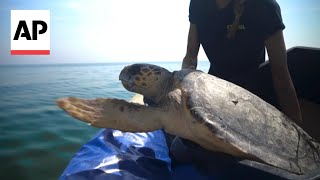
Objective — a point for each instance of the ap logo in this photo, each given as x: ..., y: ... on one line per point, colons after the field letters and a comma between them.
x: 30, y: 32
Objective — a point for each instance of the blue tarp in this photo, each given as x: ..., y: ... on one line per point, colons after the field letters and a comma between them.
x: 113, y: 154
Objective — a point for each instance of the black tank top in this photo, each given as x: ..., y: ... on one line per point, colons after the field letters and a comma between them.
x: 235, y: 59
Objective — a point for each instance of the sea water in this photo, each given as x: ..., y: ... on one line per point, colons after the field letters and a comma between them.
x: 37, y: 139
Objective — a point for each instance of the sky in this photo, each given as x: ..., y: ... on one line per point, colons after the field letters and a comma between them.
x: 102, y: 31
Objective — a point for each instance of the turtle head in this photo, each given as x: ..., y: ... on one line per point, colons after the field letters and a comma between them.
x: 149, y: 80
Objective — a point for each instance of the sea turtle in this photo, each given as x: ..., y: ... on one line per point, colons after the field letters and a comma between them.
x: 216, y: 114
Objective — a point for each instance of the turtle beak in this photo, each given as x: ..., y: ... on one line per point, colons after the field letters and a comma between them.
x: 127, y: 85
x: 123, y: 73
x: 126, y: 78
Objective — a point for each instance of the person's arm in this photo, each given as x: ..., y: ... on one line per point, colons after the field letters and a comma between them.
x: 281, y: 77
x: 190, y: 61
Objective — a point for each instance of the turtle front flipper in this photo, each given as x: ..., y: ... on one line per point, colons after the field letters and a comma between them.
x: 114, y: 113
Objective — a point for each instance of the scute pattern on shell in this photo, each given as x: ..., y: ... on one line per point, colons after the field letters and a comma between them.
x: 251, y: 125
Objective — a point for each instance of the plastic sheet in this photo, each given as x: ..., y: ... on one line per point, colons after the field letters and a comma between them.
x: 113, y: 154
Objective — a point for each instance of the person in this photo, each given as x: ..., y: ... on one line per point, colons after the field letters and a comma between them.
x: 234, y: 35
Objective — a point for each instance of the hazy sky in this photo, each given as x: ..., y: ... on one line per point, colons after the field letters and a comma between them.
x: 85, y: 31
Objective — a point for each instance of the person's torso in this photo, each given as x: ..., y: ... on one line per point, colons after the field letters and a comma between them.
x: 229, y: 57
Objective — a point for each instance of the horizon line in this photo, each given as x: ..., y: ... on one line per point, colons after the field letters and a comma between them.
x: 91, y: 63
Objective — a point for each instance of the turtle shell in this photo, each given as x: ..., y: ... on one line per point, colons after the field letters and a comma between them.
x: 248, y: 123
